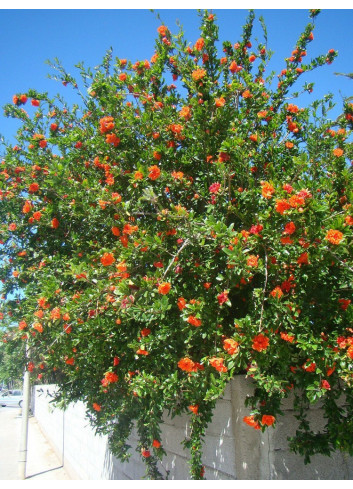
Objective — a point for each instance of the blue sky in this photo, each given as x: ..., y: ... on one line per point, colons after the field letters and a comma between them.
x: 30, y: 36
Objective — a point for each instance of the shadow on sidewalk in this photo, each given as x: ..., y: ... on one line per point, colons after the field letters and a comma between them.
x: 44, y: 472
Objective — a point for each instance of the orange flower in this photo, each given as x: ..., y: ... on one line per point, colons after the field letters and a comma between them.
x: 198, y: 74
x: 185, y: 112
x: 268, y: 420
x: 128, y: 229
x: 27, y: 207
x: 260, y: 342
x: 164, y: 288
x: 156, y: 443
x: 334, y: 236
x: 162, y: 30
x: 286, y: 240
x: 70, y: 361
x: 338, y: 152
x: 303, y: 259
x: 42, y: 302
x: 296, y: 201
x: 154, y: 172
x: 234, y: 68
x: 55, y: 223
x: 289, y: 144
x: 106, y: 124
x: 252, y: 261
x: 282, y: 205
x: 96, y: 406
x: 115, y: 231
x: 186, y: 364
x: 37, y: 215
x: 199, y: 44
x: 177, y: 175
x: 253, y: 137
x: 220, y: 102
x: 250, y: 421
x: 55, y: 313
x: 276, y: 293
x: 38, y: 327
x: 138, y: 175
x: 231, y: 346
x: 145, y: 332
x: 194, y: 408
x: 107, y: 259
x: 292, y: 108
x: 267, y: 190
x: 141, y: 351
x: 110, y: 378
x: 246, y: 94
x: 287, y: 337
x: 34, y: 187
x: 22, y: 325
x: 217, y: 363
x: 289, y: 228
x: 112, y: 139
x: 194, y: 321
x: 181, y: 303
x: 349, y: 220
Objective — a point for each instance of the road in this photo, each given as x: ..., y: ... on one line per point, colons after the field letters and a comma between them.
x: 42, y: 462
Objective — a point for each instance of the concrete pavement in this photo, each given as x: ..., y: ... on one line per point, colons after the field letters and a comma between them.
x: 42, y: 462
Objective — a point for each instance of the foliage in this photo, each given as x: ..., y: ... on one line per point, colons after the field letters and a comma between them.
x: 187, y: 224
x: 12, y: 363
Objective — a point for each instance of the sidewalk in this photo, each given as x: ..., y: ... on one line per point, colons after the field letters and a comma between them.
x: 42, y: 462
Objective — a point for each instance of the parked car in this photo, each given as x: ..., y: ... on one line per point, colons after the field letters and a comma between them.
x: 11, y: 398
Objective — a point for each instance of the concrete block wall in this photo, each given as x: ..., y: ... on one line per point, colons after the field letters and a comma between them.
x: 232, y: 450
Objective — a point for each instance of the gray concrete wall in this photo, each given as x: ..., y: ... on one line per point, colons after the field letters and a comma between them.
x: 232, y: 450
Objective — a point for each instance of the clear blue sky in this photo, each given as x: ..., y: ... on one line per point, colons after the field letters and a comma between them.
x: 29, y: 37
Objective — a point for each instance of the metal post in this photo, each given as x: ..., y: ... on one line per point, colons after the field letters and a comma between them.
x: 24, y: 428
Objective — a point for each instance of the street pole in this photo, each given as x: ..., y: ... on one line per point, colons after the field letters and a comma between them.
x: 25, y: 416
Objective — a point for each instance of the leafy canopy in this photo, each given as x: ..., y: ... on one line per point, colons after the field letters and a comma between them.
x: 187, y: 223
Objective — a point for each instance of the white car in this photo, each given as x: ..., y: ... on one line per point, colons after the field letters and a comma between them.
x: 11, y: 398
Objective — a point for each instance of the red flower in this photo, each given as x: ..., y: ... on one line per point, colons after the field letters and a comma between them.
x: 250, y: 421
x: 106, y: 124
x: 260, y: 342
x: 194, y: 408
x: 223, y: 297
x: 181, y: 303
x: 276, y: 293
x: 156, y: 443
x: 289, y: 228
x: 303, y: 259
x: 107, y: 259
x: 231, y: 346
x: 334, y: 236
x: 268, y: 420
x: 34, y: 187
x: 154, y: 172
x: 194, y: 321
x: 55, y: 223
x: 214, y: 188
x: 164, y: 288
x: 217, y: 363
x: 186, y: 364
x: 234, y: 68
x: 325, y: 385
x: 145, y: 331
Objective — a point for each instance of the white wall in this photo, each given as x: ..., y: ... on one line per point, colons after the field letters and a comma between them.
x: 232, y: 450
